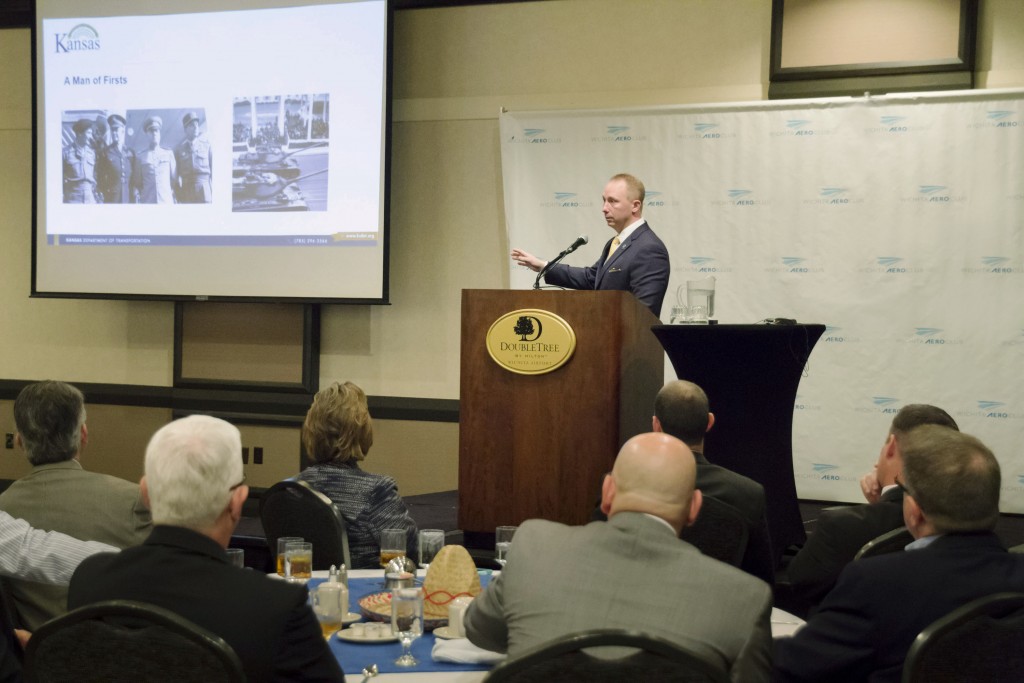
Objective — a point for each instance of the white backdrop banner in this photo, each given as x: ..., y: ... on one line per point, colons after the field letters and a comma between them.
x: 896, y: 221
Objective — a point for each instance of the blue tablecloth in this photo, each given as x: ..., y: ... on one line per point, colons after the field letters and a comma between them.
x: 354, y: 656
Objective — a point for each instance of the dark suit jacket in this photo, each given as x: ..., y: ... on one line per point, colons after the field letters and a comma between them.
x: 747, y: 497
x: 267, y: 622
x: 867, y: 623
x: 837, y: 536
x: 640, y: 265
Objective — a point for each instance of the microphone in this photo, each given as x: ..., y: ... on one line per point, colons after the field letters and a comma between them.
x: 579, y: 242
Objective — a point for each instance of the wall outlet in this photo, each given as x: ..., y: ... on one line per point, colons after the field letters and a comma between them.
x: 8, y: 440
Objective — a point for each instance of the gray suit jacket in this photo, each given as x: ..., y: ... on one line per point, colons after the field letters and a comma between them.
x: 630, y: 572
x: 85, y: 505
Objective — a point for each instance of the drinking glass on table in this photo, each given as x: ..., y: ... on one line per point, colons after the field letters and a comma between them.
x: 407, y: 621
x: 330, y: 604
x: 392, y: 545
x: 430, y: 543
x: 502, y: 542
x: 236, y: 556
x: 298, y: 560
x: 282, y: 544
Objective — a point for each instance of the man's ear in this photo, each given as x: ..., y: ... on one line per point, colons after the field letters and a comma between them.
x: 18, y: 442
x: 913, y: 515
x: 695, y: 502
x: 607, y: 493
x: 144, y: 492
x: 711, y: 422
x: 238, y: 497
x: 656, y: 424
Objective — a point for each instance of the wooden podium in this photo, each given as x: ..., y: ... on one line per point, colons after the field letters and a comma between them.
x: 538, y: 446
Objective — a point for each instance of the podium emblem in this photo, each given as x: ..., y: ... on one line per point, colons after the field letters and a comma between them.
x: 531, y: 341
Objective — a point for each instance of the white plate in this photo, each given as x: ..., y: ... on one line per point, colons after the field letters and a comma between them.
x: 351, y: 618
x: 445, y: 633
x: 381, y: 637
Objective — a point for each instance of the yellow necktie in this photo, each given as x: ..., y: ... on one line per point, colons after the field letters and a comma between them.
x: 615, y: 245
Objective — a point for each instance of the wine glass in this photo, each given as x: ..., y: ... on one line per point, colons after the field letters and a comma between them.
x: 502, y: 542
x: 407, y: 621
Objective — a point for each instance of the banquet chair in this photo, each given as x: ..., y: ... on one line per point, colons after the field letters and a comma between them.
x: 981, y: 641
x: 890, y: 542
x: 620, y: 654
x: 294, y: 508
x: 719, y: 532
x: 122, y: 640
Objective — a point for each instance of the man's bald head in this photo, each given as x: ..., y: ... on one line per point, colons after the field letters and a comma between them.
x: 653, y: 473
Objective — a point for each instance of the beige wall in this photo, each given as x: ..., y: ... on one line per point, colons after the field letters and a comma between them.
x: 454, y: 69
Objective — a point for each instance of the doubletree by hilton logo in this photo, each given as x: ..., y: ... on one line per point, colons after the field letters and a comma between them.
x: 79, y: 39
x: 530, y: 341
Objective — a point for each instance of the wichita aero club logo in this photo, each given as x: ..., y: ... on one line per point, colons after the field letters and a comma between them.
x: 533, y: 136
x: 706, y: 131
x: 995, y: 265
x: 892, y: 124
x: 705, y: 264
x: 935, y: 194
x: 81, y: 38
x: 794, y: 264
x: 823, y: 471
x: 998, y: 118
x: 801, y: 404
x: 834, y: 196
x: 886, y: 405
x: 801, y: 128
x: 932, y: 336
x: 740, y: 197
x: 993, y: 410
x: 891, y: 265
x: 567, y: 200
x: 618, y: 134
x: 835, y: 335
x: 656, y: 199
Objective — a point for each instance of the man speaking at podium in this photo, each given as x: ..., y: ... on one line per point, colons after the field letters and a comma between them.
x: 635, y: 260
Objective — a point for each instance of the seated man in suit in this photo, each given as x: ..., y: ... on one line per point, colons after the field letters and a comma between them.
x: 840, y: 532
x: 681, y: 410
x: 635, y: 260
x: 195, y: 488
x: 59, y: 495
x: 866, y: 624
x: 630, y: 572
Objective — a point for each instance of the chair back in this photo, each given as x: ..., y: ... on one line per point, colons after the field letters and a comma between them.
x: 719, y: 532
x: 608, y: 656
x: 122, y: 640
x: 981, y: 641
x: 293, y: 508
x: 890, y: 542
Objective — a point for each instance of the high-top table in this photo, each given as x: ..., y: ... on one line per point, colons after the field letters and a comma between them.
x: 751, y: 374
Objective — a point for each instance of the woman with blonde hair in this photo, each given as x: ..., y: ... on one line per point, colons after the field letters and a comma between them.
x: 336, y: 435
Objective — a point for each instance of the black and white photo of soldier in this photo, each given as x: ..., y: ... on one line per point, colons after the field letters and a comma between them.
x: 78, y: 161
x: 194, y: 158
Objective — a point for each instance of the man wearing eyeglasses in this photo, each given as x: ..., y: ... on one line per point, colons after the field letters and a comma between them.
x: 866, y: 624
x: 195, y: 488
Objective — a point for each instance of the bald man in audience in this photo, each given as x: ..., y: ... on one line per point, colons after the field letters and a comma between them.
x: 630, y: 572
x: 681, y: 410
x: 195, y: 488
x: 866, y: 624
x: 840, y: 532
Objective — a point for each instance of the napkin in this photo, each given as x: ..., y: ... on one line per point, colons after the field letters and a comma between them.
x: 461, y: 651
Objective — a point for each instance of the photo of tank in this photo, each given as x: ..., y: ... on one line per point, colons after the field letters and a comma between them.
x: 280, y: 149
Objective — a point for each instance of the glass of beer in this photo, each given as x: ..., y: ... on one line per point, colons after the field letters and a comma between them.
x: 298, y: 560
x: 330, y: 604
x: 282, y: 543
x: 392, y: 545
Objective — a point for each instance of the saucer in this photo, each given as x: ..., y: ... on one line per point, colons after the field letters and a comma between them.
x: 446, y: 633
x: 379, y: 637
x: 351, y: 618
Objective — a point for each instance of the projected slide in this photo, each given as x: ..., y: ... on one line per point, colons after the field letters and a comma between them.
x: 234, y: 128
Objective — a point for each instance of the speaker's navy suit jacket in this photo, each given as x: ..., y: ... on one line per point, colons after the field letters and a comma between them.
x: 867, y: 623
x: 640, y: 265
